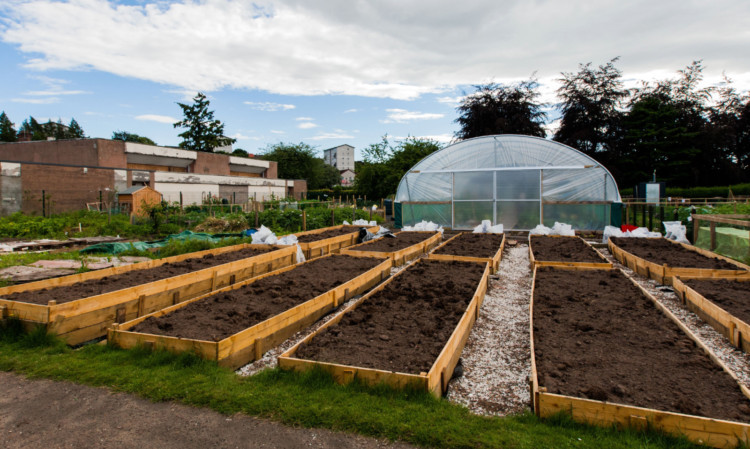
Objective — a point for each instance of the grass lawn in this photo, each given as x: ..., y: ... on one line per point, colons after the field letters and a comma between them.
x: 305, y: 400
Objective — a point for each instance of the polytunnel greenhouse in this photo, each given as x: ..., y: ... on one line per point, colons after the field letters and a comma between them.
x: 517, y: 181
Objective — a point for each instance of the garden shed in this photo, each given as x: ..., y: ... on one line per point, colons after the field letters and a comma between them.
x: 133, y: 199
x: 518, y: 181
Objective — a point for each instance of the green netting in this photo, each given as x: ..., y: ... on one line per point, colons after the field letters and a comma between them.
x: 730, y: 242
x: 119, y: 247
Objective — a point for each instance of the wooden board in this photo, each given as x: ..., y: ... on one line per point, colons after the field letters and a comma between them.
x: 733, y: 328
x: 84, y: 319
x: 708, y: 431
x: 664, y: 273
x: 603, y: 265
x: 435, y: 381
x: 494, y: 261
x: 401, y: 256
x: 250, y: 344
x: 330, y: 245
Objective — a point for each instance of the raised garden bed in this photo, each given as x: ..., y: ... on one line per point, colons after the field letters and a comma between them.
x: 408, y: 331
x: 80, y: 307
x: 662, y: 259
x: 606, y: 352
x: 239, y: 323
x: 722, y: 303
x: 406, y: 246
x: 562, y: 251
x: 329, y: 240
x: 470, y: 247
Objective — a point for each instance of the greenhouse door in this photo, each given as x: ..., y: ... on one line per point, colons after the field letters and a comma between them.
x: 511, y: 197
x: 518, y: 198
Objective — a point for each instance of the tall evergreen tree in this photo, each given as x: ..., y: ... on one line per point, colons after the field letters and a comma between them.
x: 591, y: 109
x: 7, y: 132
x: 500, y: 109
x: 203, y: 133
x: 75, y: 131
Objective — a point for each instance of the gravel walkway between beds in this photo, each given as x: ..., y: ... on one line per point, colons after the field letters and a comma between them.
x: 270, y: 358
x: 496, y: 360
x: 733, y: 358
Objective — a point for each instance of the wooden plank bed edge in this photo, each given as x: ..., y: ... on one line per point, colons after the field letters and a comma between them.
x: 240, y: 348
x: 371, y: 376
x: 709, y: 431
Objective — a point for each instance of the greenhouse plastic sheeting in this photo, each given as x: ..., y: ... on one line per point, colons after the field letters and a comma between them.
x: 517, y: 181
x: 730, y: 242
x: 119, y: 247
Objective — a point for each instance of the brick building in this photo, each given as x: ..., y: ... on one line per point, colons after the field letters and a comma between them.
x: 67, y: 174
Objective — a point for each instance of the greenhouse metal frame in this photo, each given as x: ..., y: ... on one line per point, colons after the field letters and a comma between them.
x: 519, y: 181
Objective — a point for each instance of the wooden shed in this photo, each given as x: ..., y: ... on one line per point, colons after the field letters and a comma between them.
x: 134, y: 198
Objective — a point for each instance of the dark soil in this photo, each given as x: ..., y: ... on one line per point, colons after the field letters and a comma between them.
x: 403, y: 240
x: 732, y: 296
x: 403, y: 327
x: 219, y: 316
x: 307, y: 238
x: 662, y: 251
x: 597, y: 336
x: 563, y: 249
x: 108, y: 284
x: 473, y: 245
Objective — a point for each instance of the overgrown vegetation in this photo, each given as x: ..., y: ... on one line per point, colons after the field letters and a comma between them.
x: 165, y: 219
x: 306, y: 400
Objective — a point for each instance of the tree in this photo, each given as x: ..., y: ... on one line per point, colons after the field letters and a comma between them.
x: 384, y: 166
x: 591, y: 109
x: 7, y: 132
x: 240, y: 153
x: 298, y: 161
x: 131, y: 137
x: 75, y: 131
x: 500, y: 109
x: 203, y: 133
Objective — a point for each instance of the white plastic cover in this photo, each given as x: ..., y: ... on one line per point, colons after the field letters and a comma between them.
x: 424, y: 226
x: 267, y: 237
x: 487, y: 228
x: 510, y: 179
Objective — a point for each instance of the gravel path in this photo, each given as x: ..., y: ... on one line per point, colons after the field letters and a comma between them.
x: 496, y: 360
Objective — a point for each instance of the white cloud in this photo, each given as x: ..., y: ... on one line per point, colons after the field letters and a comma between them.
x: 48, y: 100
x: 276, y: 131
x: 331, y: 136
x: 349, y: 111
x: 442, y: 138
x: 295, y: 47
x: 304, y: 119
x: 307, y: 125
x: 157, y: 118
x: 270, y: 107
x: 453, y: 101
x: 404, y: 116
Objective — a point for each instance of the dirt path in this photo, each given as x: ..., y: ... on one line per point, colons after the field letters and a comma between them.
x: 49, y: 414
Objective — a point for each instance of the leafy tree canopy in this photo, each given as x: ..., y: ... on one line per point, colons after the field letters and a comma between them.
x: 591, y: 104
x: 501, y: 109
x: 7, y: 132
x: 131, y: 137
x: 385, y: 164
x: 299, y: 161
x: 203, y: 133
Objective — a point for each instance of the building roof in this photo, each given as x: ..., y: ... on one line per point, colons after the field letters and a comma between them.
x: 130, y: 190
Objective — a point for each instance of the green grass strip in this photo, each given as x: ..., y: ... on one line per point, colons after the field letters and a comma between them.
x: 305, y: 400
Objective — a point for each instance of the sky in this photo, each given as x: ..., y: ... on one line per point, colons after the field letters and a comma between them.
x: 331, y: 72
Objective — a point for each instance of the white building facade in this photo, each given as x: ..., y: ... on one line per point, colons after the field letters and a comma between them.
x: 341, y: 157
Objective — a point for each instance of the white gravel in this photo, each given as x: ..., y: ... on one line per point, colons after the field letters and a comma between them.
x: 497, y: 360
